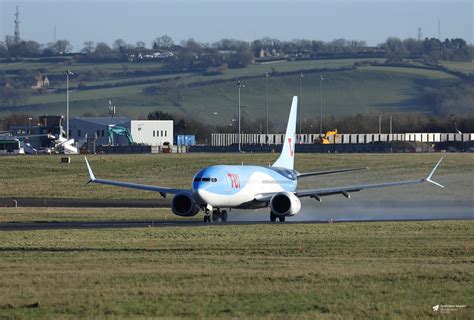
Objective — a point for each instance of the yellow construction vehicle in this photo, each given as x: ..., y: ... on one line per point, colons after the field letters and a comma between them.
x: 326, y: 138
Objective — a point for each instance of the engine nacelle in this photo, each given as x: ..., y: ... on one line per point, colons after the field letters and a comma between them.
x: 285, y: 204
x: 183, y: 205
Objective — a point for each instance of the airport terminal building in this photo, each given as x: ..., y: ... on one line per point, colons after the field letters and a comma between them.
x: 147, y: 132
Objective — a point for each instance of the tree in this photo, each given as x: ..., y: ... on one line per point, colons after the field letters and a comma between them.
x: 30, y: 48
x: 61, y: 47
x: 242, y: 58
x: 413, y: 47
x: 394, y: 49
x: 3, y: 50
x: 102, y: 48
x: 140, y: 45
x: 163, y: 42
x: 119, y: 45
x: 89, y: 47
x: 159, y: 115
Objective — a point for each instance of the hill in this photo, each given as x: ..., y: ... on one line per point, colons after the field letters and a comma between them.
x: 137, y: 89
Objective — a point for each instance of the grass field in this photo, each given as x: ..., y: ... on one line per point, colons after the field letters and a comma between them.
x: 46, y: 177
x: 22, y: 215
x: 293, y: 271
x: 466, y: 67
x: 365, y: 90
x: 326, y: 271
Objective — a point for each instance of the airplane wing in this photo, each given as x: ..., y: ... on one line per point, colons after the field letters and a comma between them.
x: 318, y: 193
x: 319, y: 173
x: 162, y: 190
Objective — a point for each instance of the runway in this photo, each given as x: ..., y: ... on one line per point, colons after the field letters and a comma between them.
x: 163, y: 223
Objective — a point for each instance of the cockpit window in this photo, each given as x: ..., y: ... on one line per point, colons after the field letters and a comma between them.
x: 206, y: 179
x: 197, y: 179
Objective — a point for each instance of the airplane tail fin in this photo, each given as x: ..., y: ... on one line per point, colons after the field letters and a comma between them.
x: 287, y: 156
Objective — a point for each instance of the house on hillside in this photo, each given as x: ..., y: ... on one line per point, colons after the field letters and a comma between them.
x: 41, y: 81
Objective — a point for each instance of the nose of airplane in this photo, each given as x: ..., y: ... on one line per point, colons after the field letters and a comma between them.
x: 201, y: 194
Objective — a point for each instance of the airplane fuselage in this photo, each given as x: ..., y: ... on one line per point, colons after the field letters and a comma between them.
x: 230, y: 186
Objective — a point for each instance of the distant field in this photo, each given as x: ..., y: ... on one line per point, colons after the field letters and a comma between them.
x: 326, y: 271
x: 45, y: 176
x: 366, y: 90
x: 466, y: 67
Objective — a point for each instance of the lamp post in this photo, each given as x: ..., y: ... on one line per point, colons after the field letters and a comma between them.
x: 391, y: 132
x: 299, y: 101
x: 266, y: 101
x: 68, y: 73
x: 239, y: 86
x: 321, y: 107
x: 380, y: 124
x: 29, y: 124
x: 215, y: 115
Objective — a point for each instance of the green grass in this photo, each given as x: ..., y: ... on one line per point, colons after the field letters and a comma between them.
x: 326, y: 271
x: 465, y: 67
x: 45, y: 176
x: 366, y: 90
x: 22, y: 215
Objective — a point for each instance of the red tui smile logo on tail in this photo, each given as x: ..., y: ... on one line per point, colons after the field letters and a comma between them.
x: 291, y: 147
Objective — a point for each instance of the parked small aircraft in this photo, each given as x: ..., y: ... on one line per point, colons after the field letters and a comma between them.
x: 217, y: 188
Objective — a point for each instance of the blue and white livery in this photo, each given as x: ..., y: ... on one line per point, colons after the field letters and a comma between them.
x: 217, y: 188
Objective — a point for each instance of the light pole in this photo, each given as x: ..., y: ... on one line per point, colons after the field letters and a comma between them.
x: 29, y: 124
x: 266, y: 101
x: 299, y: 101
x: 215, y: 115
x: 321, y: 107
x: 380, y: 124
x: 68, y: 73
x: 239, y: 86
x: 391, y: 132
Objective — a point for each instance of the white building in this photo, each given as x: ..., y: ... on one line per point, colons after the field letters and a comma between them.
x: 152, y: 132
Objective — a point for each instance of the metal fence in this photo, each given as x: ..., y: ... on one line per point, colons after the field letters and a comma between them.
x: 227, y: 139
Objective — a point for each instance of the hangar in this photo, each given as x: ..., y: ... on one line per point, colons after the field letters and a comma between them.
x: 147, y: 132
x: 82, y: 128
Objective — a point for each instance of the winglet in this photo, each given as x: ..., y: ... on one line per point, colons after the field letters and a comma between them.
x: 428, y: 179
x: 91, y: 174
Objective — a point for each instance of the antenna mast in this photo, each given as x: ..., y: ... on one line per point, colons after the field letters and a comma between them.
x: 16, y: 38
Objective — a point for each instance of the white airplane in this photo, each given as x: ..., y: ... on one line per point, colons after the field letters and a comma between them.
x: 221, y: 187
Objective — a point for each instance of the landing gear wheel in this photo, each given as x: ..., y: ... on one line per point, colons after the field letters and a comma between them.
x: 281, y: 218
x: 207, y: 218
x: 273, y: 217
x: 216, y: 215
x: 224, y: 216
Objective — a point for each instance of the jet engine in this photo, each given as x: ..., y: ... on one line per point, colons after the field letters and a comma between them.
x: 285, y: 204
x: 183, y: 205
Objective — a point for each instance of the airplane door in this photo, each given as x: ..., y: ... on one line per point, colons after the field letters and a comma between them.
x: 226, y: 182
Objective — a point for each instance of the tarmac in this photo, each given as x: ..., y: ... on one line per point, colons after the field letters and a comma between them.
x: 163, y: 223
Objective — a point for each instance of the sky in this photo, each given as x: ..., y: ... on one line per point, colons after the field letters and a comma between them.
x: 210, y: 20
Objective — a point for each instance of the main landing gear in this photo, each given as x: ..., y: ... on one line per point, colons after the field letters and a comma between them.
x: 273, y: 217
x: 216, y: 216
